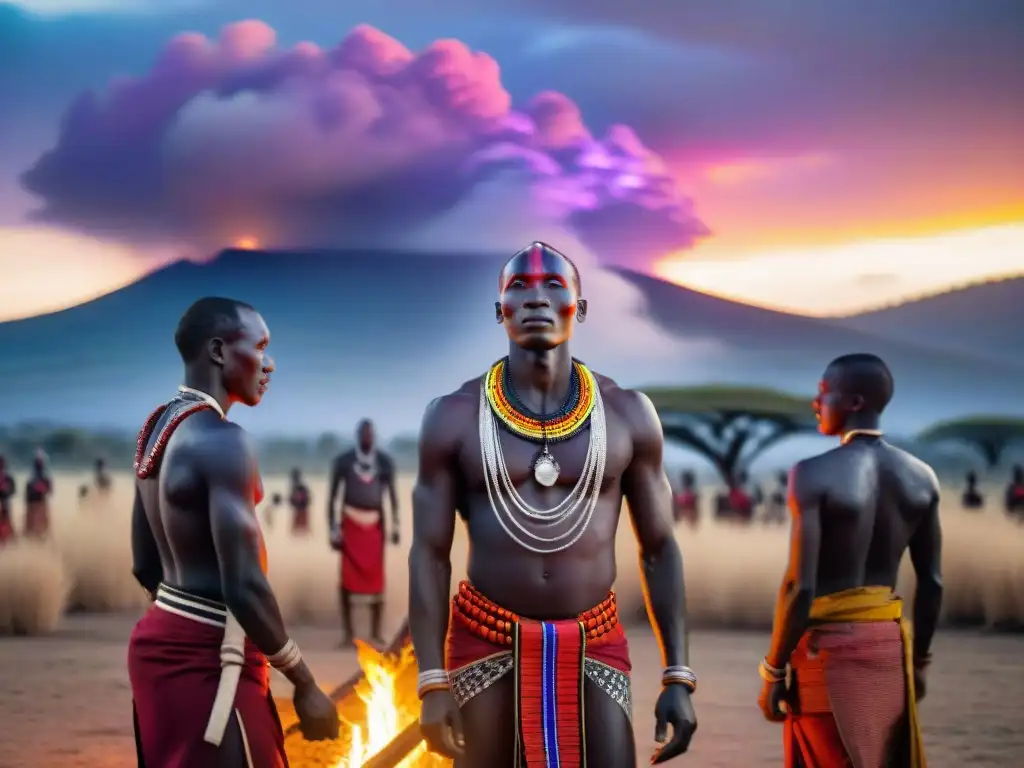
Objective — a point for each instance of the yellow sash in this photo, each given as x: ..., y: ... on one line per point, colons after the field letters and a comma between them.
x: 877, y: 604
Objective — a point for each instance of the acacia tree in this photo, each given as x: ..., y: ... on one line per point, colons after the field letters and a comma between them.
x: 730, y: 426
x: 988, y: 435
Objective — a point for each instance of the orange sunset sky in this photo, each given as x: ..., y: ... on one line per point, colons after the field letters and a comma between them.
x: 896, y: 197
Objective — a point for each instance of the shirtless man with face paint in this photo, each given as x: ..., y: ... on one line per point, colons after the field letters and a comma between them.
x: 198, y: 659
x: 536, y: 457
x: 855, y: 672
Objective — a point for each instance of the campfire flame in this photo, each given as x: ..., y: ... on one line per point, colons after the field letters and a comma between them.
x: 388, y: 680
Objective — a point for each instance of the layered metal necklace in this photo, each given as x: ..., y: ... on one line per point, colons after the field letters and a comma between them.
x: 583, y: 405
x: 365, y: 466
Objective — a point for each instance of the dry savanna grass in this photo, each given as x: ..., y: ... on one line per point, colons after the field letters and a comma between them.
x: 732, y: 574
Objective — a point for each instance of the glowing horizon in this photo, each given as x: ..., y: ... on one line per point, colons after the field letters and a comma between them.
x: 827, y: 280
x: 854, y: 277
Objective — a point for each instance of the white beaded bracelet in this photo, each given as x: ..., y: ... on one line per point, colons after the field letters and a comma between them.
x: 286, y: 658
x: 679, y: 675
x: 431, y: 680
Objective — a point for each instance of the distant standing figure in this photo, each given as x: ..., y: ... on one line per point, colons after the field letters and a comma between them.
x: 101, y: 478
x: 270, y: 509
x: 741, y: 506
x: 298, y: 500
x: 37, y: 499
x: 753, y: 491
x: 775, y: 513
x: 687, y: 501
x: 1015, y: 493
x: 972, y: 498
x: 83, y: 496
x: 362, y: 476
x: 7, y: 491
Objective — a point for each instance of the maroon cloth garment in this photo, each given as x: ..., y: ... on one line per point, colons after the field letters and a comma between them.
x: 174, y: 666
x: 848, y: 697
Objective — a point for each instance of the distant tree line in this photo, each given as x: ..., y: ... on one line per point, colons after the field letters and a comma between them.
x: 78, y: 448
x: 728, y: 426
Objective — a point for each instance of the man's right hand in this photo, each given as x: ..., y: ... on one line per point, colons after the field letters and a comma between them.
x: 318, y: 717
x: 920, y: 683
x: 335, y: 538
x: 441, y: 724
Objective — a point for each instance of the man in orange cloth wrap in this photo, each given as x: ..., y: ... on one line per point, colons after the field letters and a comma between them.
x: 198, y: 660
x: 536, y: 457
x: 855, y: 674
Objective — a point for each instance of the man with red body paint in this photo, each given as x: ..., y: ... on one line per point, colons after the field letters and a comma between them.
x: 536, y: 617
x: 198, y: 659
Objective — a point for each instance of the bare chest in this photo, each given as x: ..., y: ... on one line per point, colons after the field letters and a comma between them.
x: 517, y: 458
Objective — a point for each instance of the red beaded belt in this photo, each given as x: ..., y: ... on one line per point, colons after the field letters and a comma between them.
x: 493, y: 623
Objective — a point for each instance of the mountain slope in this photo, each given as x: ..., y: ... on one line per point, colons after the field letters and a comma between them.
x: 380, y: 334
x: 789, y: 352
x: 983, y: 320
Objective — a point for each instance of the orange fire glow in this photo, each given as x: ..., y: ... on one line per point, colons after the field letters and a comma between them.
x: 247, y: 243
x: 389, y: 708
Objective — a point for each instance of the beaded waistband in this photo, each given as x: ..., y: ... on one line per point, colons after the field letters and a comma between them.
x: 488, y: 620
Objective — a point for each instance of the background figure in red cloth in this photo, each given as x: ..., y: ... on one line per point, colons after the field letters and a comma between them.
x: 7, y: 491
x: 298, y: 500
x: 1015, y: 494
x: 741, y: 506
x: 362, y: 476
x: 687, y: 501
x: 37, y: 499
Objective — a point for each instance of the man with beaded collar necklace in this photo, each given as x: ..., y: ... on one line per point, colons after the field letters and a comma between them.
x: 198, y: 658
x: 528, y: 665
x: 854, y: 672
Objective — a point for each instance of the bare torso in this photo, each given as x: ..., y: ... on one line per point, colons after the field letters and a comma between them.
x: 539, y: 586
x: 359, y: 491
x: 7, y: 488
x: 176, y: 501
x: 872, y: 498
x: 38, y: 489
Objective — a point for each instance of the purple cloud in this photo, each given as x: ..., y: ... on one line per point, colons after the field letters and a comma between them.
x: 235, y: 137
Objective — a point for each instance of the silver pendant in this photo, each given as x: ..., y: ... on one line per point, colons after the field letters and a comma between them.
x: 546, y: 469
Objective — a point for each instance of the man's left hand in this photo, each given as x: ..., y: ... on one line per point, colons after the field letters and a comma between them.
x: 771, y: 701
x: 395, y: 538
x: 673, y: 708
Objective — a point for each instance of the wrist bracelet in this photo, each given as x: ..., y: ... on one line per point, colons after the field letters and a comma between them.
x: 430, y: 680
x: 679, y: 675
x: 769, y: 673
x: 287, y: 658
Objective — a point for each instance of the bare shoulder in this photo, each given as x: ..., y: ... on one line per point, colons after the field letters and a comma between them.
x: 631, y: 404
x: 447, y: 417
x: 808, y: 477
x: 633, y: 407
x: 913, y: 468
x: 226, y: 454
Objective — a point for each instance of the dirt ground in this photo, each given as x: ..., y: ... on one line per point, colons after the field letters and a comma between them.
x: 74, y: 683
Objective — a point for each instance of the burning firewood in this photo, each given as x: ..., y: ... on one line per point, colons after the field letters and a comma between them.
x: 380, y: 716
x: 398, y: 749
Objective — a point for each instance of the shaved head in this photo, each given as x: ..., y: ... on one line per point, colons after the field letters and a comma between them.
x: 865, y: 375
